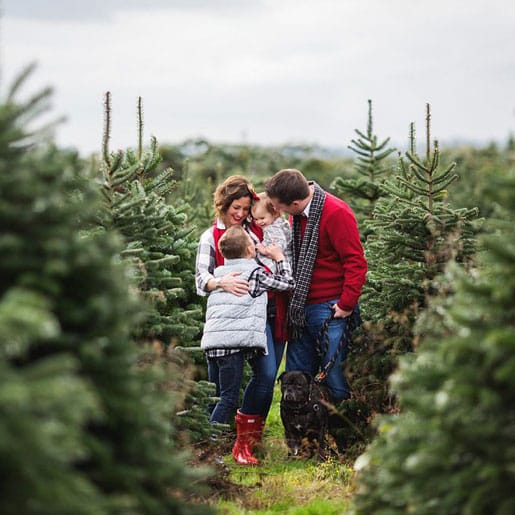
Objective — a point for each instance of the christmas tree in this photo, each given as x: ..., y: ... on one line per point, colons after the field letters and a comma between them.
x: 371, y: 169
x: 415, y: 233
x: 82, y: 429
x: 161, y: 247
x: 412, y: 233
x: 452, y: 449
x: 159, y: 243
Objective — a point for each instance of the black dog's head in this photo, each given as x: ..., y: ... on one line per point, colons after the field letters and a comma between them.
x: 295, y: 386
x: 303, y: 413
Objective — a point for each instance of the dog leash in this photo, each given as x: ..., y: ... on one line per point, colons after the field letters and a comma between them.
x: 322, y: 343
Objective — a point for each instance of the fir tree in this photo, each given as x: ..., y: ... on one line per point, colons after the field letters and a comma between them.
x: 161, y: 247
x: 452, y: 449
x: 413, y: 233
x: 196, y: 198
x: 371, y: 169
x: 82, y: 429
x: 159, y: 243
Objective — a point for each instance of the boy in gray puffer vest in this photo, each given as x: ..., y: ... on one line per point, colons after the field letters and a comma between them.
x: 235, y: 326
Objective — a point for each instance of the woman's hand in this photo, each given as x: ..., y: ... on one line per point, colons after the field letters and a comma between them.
x: 232, y: 284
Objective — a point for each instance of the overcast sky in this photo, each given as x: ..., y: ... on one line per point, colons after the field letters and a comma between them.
x: 268, y: 71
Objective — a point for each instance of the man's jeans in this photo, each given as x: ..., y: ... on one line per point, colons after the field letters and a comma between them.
x: 226, y: 373
x: 301, y: 354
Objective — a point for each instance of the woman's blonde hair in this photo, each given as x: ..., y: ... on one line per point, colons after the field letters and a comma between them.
x: 233, y: 188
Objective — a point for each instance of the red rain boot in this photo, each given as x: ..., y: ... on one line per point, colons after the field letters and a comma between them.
x: 247, y: 429
x: 258, y: 434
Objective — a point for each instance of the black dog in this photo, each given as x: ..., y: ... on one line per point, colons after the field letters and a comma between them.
x: 304, y: 414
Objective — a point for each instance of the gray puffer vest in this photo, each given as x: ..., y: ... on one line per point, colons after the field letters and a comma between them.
x: 235, y: 322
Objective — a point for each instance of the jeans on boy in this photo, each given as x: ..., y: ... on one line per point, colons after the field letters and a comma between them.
x: 226, y: 373
x: 302, y: 355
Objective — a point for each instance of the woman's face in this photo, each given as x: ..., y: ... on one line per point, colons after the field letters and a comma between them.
x: 237, y: 212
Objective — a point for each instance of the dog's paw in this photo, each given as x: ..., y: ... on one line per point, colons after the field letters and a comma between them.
x: 294, y: 452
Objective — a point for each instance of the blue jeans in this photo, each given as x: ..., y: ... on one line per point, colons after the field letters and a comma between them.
x: 301, y: 354
x: 259, y: 392
x: 226, y: 373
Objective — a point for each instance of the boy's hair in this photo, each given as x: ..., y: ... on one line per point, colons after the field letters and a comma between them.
x: 267, y: 203
x: 287, y: 185
x: 233, y: 188
x: 234, y: 242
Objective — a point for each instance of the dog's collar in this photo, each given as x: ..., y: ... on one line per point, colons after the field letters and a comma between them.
x: 301, y: 407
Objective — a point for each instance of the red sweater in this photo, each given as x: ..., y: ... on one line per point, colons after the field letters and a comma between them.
x: 340, y: 266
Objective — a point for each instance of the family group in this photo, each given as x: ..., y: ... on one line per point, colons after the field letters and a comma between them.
x: 272, y: 283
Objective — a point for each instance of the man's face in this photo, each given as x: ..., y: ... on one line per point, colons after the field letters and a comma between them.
x: 295, y: 208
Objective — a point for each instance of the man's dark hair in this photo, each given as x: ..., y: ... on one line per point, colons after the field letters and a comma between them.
x: 287, y: 186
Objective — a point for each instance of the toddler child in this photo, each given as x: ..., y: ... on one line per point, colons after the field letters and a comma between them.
x: 276, y: 229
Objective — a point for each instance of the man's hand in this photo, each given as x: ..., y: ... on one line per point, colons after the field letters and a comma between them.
x: 232, y: 284
x: 340, y: 313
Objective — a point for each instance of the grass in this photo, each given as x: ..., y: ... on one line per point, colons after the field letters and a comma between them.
x: 287, y: 486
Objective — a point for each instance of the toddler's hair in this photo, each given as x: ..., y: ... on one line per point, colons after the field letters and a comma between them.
x: 234, y: 242
x: 265, y: 199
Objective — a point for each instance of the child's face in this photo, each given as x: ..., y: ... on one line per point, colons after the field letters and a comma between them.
x: 261, y: 215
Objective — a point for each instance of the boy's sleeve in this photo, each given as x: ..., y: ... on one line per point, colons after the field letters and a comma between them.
x: 263, y: 280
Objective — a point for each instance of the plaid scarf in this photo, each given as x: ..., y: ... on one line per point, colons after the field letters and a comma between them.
x: 304, y: 255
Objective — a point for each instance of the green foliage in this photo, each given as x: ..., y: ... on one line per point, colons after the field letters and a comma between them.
x: 159, y: 244
x: 209, y: 164
x: 194, y: 420
x: 161, y: 247
x: 452, y: 448
x: 478, y: 166
x: 82, y: 429
x: 371, y: 168
x: 413, y: 233
x: 196, y: 199
x: 287, y: 485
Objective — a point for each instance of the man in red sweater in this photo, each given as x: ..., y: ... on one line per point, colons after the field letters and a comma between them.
x: 329, y: 269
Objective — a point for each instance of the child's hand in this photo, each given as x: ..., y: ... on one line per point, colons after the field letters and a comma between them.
x: 261, y: 249
x: 273, y: 251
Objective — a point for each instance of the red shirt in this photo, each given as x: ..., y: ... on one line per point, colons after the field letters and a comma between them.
x: 340, y: 266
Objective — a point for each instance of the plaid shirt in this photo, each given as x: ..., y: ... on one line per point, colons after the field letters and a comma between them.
x: 260, y: 282
x: 263, y: 280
